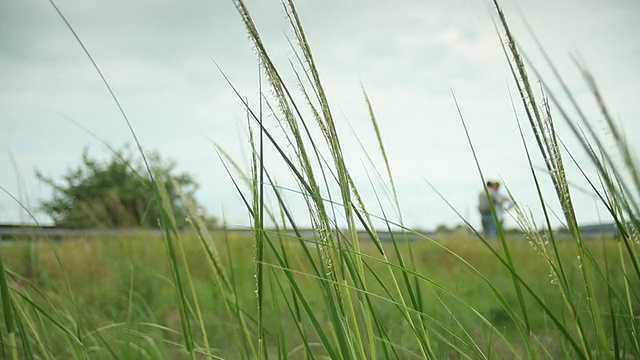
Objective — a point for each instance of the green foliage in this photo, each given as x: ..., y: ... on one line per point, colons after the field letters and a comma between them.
x: 117, y: 291
x: 118, y: 192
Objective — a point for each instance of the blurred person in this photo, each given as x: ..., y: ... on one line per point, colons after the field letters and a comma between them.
x: 500, y: 203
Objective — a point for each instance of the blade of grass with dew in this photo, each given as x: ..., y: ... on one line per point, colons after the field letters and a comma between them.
x: 614, y: 326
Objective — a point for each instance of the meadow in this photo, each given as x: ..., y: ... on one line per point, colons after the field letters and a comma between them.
x: 115, y: 297
x: 279, y: 294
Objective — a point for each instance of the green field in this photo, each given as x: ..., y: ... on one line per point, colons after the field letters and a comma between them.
x: 115, y: 298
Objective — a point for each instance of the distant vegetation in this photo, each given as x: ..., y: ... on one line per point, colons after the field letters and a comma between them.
x: 119, y: 193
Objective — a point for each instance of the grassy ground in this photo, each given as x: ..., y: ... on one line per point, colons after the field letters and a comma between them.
x: 333, y: 296
x: 119, y: 291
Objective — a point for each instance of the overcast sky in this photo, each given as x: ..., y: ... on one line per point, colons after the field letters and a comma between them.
x: 409, y: 55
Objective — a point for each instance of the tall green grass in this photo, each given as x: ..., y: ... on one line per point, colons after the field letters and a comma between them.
x: 125, y: 303
x: 333, y: 293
